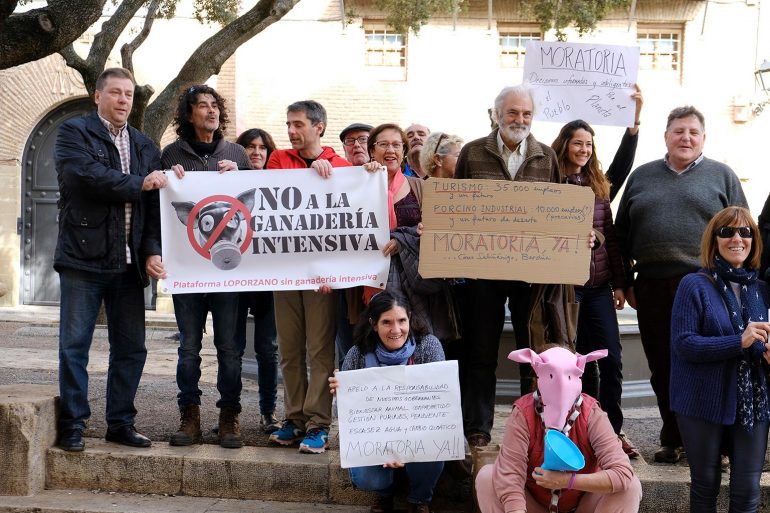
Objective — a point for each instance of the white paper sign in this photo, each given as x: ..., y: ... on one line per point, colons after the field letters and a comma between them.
x: 400, y: 413
x: 274, y: 230
x: 582, y: 81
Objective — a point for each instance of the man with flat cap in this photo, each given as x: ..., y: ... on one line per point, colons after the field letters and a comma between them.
x: 354, y: 138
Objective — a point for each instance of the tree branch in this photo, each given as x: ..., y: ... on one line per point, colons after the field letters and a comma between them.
x: 105, y: 40
x: 87, y: 69
x: 128, y: 49
x: 37, y: 33
x: 209, y: 57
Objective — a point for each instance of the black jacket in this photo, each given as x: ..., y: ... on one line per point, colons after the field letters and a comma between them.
x: 94, y: 191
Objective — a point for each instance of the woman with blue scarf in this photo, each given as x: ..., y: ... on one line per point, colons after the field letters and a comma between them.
x: 720, y: 362
x: 384, y: 337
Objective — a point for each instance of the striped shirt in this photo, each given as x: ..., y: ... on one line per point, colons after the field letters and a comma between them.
x: 120, y: 137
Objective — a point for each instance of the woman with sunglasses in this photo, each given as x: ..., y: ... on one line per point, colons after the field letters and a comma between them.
x: 720, y: 361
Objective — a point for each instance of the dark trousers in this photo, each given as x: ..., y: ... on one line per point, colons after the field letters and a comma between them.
x: 598, y: 329
x: 478, y: 364
x: 702, y: 441
x: 82, y: 293
x: 265, y: 343
x: 654, y: 301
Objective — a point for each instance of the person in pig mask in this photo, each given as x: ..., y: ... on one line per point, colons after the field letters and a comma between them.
x: 517, y: 483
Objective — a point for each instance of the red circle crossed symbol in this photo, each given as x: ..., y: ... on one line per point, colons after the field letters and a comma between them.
x: 237, y: 206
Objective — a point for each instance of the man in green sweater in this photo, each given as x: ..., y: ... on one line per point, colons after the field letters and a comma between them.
x: 661, y: 218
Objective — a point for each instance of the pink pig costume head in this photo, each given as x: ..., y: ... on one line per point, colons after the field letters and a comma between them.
x: 558, y: 379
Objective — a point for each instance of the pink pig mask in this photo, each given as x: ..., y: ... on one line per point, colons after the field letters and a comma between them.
x: 558, y: 373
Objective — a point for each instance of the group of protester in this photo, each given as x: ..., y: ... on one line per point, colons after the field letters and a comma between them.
x: 682, y: 218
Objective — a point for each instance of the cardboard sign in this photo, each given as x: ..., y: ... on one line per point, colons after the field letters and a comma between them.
x: 494, y: 229
x: 582, y: 81
x: 274, y: 230
x: 400, y: 413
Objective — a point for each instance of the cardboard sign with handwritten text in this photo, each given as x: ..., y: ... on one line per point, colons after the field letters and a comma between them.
x: 493, y: 229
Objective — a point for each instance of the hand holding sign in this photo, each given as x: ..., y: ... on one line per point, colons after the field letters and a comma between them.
x: 582, y: 81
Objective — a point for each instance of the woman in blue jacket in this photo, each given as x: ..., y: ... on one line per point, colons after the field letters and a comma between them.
x: 719, y: 363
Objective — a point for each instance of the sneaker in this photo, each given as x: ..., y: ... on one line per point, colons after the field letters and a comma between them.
x: 316, y: 441
x: 668, y: 454
x: 628, y: 448
x: 289, y: 434
x: 269, y: 423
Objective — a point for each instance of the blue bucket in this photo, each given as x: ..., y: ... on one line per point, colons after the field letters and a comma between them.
x: 561, y: 453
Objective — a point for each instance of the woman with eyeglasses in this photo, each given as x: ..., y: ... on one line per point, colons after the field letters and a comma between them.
x: 720, y: 361
x: 438, y: 157
x: 602, y: 294
x: 430, y: 299
x: 259, y: 145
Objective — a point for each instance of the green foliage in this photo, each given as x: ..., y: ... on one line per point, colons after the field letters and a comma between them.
x: 217, y: 11
x: 583, y: 14
x: 403, y: 15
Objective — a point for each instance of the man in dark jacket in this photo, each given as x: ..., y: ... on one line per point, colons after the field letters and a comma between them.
x: 109, y: 240
x: 510, y: 152
x: 200, y: 122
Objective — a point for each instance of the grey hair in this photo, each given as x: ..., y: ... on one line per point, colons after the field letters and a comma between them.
x: 433, y: 146
x: 685, y: 112
x: 314, y: 111
x: 518, y: 90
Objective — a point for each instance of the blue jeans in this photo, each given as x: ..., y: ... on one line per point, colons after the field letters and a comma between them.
x: 598, y: 329
x: 82, y: 293
x: 422, y: 479
x: 265, y: 343
x: 191, y: 311
x: 703, y: 441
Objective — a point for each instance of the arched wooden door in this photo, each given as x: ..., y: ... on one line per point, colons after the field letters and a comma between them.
x: 39, y: 218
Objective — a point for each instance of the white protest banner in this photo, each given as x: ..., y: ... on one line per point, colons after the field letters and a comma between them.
x: 274, y: 230
x: 400, y: 413
x: 582, y: 81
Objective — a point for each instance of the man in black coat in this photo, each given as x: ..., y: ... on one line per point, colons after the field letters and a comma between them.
x: 109, y: 241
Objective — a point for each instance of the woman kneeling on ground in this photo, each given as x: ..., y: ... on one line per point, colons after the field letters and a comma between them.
x: 385, y: 337
x: 719, y: 335
x: 516, y: 482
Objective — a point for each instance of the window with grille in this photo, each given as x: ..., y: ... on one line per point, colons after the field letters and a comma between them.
x: 384, y: 47
x: 513, y: 45
x: 660, y: 49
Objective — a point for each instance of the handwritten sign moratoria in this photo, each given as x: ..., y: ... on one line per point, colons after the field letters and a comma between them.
x: 494, y: 229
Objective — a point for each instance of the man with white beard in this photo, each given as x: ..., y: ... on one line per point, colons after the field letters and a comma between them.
x: 510, y: 152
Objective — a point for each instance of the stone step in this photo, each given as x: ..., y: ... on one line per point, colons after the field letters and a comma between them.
x: 83, y: 501
x: 276, y: 475
x: 254, y: 473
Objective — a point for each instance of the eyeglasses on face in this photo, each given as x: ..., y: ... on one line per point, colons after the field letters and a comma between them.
x: 384, y: 145
x: 361, y: 139
x: 727, y: 232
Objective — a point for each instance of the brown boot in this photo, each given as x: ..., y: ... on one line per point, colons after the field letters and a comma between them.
x: 189, y: 427
x: 229, y: 429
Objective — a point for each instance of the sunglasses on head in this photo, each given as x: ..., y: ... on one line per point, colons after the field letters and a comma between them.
x: 727, y: 232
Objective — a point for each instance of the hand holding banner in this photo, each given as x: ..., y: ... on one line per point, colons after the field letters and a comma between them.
x: 274, y: 230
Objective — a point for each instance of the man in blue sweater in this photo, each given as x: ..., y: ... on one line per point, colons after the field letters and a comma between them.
x: 664, y: 210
